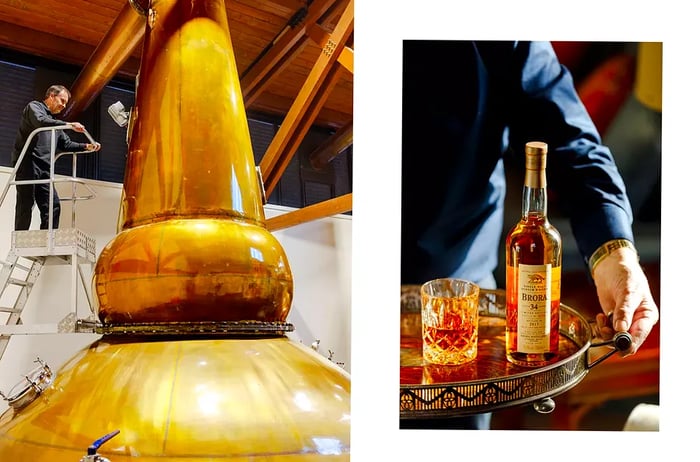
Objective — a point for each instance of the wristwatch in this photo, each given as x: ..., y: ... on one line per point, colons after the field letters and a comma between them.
x: 606, y: 249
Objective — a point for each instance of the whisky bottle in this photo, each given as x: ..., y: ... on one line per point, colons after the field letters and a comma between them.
x: 533, y: 272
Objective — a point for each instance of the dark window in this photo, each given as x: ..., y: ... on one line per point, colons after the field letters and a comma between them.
x: 17, y: 83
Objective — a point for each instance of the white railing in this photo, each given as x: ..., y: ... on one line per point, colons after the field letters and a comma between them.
x: 73, y: 179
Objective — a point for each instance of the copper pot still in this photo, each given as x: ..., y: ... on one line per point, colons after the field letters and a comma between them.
x: 193, y: 292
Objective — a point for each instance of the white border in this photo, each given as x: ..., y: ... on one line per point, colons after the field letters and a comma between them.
x: 380, y: 28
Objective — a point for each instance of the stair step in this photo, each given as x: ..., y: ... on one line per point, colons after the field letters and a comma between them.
x: 7, y: 309
x: 16, y: 265
x: 18, y: 282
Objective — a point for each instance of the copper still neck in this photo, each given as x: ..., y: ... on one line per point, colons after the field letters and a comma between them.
x: 190, y: 153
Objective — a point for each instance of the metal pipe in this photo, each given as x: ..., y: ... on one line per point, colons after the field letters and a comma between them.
x: 114, y: 49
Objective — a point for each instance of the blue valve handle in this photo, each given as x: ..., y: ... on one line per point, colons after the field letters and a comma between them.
x: 92, y: 449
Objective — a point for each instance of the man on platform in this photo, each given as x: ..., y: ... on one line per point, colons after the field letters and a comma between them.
x: 36, y: 163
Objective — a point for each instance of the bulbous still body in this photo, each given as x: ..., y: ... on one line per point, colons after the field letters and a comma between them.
x: 190, y: 400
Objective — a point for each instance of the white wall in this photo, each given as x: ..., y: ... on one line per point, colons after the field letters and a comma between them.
x: 319, y: 254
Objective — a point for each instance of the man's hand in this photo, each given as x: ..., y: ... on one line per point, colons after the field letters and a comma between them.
x: 623, y: 290
x: 93, y: 146
x: 77, y: 126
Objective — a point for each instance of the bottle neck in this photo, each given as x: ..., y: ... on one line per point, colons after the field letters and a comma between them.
x: 534, y: 202
x: 535, y: 194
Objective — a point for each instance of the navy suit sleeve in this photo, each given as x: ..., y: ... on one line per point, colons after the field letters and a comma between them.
x: 580, y: 170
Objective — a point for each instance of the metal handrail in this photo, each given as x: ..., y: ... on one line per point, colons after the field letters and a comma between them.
x: 52, y: 180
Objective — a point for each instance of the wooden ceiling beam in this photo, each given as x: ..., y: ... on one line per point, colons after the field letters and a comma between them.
x: 293, y: 129
x: 38, y: 28
x: 320, y: 36
x: 118, y: 44
x: 329, y: 149
x: 55, y: 48
x: 254, y: 84
x: 287, y: 139
x: 279, y: 7
x: 285, y: 47
x: 314, y: 92
x: 340, y: 204
x: 277, y: 106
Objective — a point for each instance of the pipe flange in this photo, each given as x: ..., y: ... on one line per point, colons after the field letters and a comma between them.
x: 207, y: 328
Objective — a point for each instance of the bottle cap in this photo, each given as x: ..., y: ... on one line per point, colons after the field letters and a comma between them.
x: 536, y: 147
x: 535, y: 155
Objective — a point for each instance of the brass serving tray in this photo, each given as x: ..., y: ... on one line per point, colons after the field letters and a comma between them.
x: 489, y: 382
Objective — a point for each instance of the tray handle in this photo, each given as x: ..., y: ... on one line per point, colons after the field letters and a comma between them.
x: 621, y: 341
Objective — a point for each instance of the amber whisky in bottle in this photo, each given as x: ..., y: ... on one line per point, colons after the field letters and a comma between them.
x: 533, y: 272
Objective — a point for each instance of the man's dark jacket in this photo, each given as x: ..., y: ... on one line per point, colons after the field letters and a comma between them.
x: 467, y: 105
x: 36, y: 114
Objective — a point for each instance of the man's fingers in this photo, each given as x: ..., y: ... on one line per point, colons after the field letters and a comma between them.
x: 604, y: 326
x: 642, y: 325
x: 621, y: 325
x: 78, y: 127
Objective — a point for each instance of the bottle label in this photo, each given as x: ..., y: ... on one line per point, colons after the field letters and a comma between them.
x: 534, y: 307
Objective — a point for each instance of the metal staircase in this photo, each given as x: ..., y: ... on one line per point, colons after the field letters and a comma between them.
x: 24, y: 283
x: 31, y: 250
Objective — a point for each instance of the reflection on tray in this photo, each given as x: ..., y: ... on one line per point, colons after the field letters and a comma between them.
x: 489, y: 382
x: 490, y: 363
